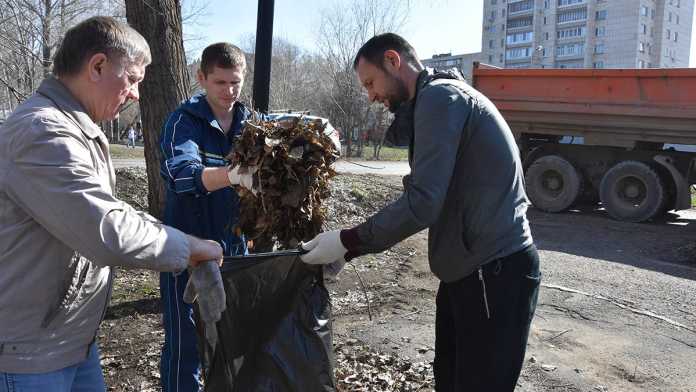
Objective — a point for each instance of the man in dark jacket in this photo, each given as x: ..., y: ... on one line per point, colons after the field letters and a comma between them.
x: 467, y: 187
x: 200, y: 200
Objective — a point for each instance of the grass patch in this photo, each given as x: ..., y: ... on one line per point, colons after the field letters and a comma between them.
x: 120, y: 151
x: 386, y: 154
x: 393, y: 154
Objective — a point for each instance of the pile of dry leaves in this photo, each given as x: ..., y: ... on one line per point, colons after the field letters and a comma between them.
x: 292, y: 162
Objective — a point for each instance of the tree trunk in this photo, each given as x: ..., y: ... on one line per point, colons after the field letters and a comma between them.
x: 166, y: 81
x: 46, y: 38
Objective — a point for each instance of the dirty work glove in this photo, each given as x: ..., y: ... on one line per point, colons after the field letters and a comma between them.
x: 205, y: 286
x: 245, y: 180
x: 325, y: 248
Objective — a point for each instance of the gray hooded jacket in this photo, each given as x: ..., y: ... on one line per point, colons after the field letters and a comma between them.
x: 466, y: 183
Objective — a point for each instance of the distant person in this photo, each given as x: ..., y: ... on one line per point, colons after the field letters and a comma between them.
x: 63, y: 228
x: 131, y: 137
x: 467, y: 187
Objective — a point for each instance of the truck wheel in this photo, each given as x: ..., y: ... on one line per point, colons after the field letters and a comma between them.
x: 553, y: 184
x: 632, y: 191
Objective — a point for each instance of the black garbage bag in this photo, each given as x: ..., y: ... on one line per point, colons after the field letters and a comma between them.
x: 275, y: 334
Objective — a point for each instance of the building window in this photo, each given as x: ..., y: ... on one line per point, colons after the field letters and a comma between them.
x: 641, y: 47
x: 598, y: 64
x: 569, y: 2
x: 643, y: 10
x: 599, y: 49
x: 494, y: 2
x: 601, y: 15
x: 669, y: 18
x: 515, y: 23
x: 493, y: 13
x: 600, y: 31
x: 490, y: 44
x: 669, y: 34
x: 518, y: 53
x: 574, y: 49
x: 571, y: 33
x: 517, y: 38
x: 526, y: 5
x: 645, y: 28
x: 641, y: 64
x: 572, y: 15
x: 676, y: 35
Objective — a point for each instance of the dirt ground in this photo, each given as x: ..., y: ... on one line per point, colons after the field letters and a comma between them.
x: 615, y: 313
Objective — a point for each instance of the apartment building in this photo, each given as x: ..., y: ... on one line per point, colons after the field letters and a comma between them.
x: 463, y: 62
x: 587, y: 33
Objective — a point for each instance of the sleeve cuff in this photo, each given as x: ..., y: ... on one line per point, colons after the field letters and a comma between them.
x: 176, y: 252
x: 351, y: 241
x: 198, y: 180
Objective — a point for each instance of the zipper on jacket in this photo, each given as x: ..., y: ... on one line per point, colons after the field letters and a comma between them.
x: 485, y: 297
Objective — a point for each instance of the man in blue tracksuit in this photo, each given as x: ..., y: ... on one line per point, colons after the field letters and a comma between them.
x: 200, y: 200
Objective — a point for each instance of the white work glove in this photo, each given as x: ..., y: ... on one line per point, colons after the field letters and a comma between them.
x: 245, y: 180
x: 334, y: 268
x: 205, y: 286
x: 325, y: 248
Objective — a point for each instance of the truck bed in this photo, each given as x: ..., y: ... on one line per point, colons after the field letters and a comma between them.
x: 611, y: 107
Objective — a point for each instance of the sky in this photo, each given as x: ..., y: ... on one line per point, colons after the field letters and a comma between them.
x: 433, y: 26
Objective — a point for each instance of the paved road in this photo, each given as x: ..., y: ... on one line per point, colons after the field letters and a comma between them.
x: 358, y: 167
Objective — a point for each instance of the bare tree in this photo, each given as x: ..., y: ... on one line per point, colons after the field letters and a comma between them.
x: 166, y: 82
x: 344, y: 28
x: 30, y: 31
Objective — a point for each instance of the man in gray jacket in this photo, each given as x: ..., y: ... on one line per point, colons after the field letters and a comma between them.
x: 466, y: 186
x: 61, y: 227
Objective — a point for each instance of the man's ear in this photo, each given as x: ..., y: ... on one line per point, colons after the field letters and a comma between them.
x: 200, y: 76
x: 95, y: 66
x: 392, y: 59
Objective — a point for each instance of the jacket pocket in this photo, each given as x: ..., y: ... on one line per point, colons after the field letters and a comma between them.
x: 75, y: 279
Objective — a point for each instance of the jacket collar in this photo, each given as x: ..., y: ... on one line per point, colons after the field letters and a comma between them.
x: 198, y: 106
x: 56, y: 91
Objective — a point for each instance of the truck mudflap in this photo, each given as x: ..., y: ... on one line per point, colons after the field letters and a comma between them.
x: 683, y: 194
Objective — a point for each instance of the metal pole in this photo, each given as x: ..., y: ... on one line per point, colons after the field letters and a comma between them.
x: 262, y: 58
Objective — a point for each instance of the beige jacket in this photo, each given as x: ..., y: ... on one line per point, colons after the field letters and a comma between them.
x: 61, y: 231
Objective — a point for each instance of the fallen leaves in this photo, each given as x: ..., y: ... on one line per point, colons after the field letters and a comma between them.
x: 293, y: 161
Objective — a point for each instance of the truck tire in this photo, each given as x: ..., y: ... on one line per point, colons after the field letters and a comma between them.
x: 632, y: 191
x: 553, y: 183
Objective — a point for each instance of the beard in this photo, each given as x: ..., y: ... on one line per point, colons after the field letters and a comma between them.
x: 398, y: 94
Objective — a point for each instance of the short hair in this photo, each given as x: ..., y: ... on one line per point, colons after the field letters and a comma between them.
x: 223, y: 55
x: 373, y: 50
x: 99, y: 34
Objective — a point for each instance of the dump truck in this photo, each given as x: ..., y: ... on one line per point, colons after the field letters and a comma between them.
x: 622, y: 137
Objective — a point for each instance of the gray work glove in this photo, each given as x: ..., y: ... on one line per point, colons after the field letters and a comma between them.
x: 205, y: 286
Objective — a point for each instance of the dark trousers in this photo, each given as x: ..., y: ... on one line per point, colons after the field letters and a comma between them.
x: 481, y: 335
